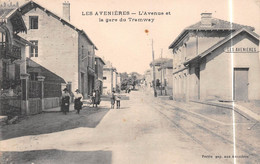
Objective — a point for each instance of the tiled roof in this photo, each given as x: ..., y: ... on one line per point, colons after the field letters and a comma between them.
x: 218, y: 24
x: 220, y: 43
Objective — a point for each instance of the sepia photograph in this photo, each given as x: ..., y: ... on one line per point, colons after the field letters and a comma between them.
x: 129, y: 82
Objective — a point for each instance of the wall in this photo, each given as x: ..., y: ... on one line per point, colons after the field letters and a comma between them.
x: 58, y: 45
x: 251, y: 61
x: 51, y: 102
x: 86, y: 59
x: 107, y: 82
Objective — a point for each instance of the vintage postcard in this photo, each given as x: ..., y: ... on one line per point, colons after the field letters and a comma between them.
x: 129, y: 82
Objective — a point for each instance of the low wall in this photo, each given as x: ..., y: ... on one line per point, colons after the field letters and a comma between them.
x: 52, y: 102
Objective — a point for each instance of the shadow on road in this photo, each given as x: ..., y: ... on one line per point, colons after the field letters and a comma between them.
x: 56, y: 156
x: 53, y: 122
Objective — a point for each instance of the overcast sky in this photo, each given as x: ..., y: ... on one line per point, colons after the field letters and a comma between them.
x: 127, y: 45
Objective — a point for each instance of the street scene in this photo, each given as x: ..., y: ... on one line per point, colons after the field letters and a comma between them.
x: 106, y: 82
x: 143, y: 130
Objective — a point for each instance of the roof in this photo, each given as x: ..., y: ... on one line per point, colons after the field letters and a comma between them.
x: 23, y: 9
x: 20, y: 39
x: 217, y: 24
x: 168, y: 64
x: 159, y: 61
x: 49, y: 76
x: 7, y: 14
x: 97, y: 57
x: 220, y: 43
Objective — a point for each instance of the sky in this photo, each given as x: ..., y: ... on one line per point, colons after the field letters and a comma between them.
x: 127, y: 45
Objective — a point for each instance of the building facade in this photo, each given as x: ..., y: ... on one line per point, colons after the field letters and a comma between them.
x: 216, y: 60
x: 167, y: 80
x: 99, y: 64
x: 13, y: 74
x: 109, y: 78
x: 60, y: 46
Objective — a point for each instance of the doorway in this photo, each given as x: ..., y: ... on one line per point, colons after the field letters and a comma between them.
x: 240, y: 86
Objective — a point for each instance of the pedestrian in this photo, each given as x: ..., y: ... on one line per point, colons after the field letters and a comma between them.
x: 94, y: 98
x: 118, y: 98
x: 97, y: 97
x: 65, y: 101
x: 112, y: 99
x: 78, y: 101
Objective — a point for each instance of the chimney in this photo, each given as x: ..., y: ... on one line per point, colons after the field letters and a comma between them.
x: 206, y: 19
x: 66, y: 10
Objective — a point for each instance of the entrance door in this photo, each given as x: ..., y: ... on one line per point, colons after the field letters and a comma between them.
x: 240, y: 84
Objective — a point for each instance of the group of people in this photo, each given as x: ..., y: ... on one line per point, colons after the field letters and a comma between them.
x: 65, y: 101
x: 78, y: 103
x: 115, y: 98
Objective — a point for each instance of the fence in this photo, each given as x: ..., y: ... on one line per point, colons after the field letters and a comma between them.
x: 34, y: 89
x: 52, y: 90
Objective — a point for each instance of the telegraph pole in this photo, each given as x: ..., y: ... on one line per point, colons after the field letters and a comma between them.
x: 161, y: 72
x: 154, y: 82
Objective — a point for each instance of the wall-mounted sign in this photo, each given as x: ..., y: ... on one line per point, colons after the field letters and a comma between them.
x: 240, y: 50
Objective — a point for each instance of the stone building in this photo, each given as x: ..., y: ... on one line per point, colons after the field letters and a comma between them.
x: 216, y: 60
x: 158, y: 73
x: 60, y: 46
x: 109, y: 78
x: 99, y: 64
x: 166, y: 72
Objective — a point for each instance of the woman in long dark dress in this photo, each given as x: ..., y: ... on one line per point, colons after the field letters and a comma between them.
x: 78, y: 101
x: 65, y: 101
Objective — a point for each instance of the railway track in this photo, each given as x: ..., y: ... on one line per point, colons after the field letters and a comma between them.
x: 194, y: 121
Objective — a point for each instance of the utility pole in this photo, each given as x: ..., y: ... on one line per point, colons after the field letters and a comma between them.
x: 154, y: 82
x: 161, y: 71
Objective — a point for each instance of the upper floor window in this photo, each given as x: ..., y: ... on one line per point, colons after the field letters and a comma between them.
x: 33, y: 20
x: 104, y: 78
x: 34, y: 50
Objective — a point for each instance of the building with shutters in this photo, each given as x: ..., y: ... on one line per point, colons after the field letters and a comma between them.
x: 216, y: 60
x: 60, y: 46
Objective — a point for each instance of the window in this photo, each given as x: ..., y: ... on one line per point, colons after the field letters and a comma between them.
x: 33, y: 21
x: 104, y: 78
x: 33, y: 76
x: 34, y: 50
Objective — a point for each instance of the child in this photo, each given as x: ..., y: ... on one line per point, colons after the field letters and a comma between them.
x: 118, y: 98
x: 112, y: 99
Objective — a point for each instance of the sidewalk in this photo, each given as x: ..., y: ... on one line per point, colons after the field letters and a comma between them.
x: 237, y: 107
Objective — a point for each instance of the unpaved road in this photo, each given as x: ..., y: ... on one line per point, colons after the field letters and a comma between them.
x: 143, y: 131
